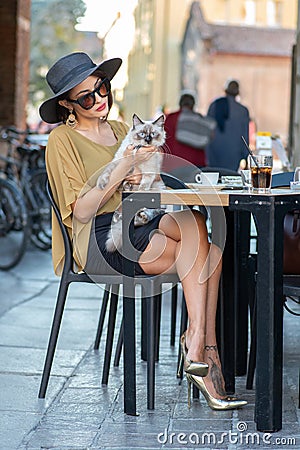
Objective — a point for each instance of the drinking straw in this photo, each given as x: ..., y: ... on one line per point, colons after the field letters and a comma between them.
x: 250, y: 152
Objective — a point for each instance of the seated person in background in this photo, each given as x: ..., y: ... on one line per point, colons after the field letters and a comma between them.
x: 195, y: 156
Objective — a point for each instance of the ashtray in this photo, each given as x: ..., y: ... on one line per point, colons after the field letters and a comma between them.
x: 295, y: 185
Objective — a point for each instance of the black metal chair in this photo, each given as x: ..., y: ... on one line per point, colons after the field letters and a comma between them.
x: 149, y: 286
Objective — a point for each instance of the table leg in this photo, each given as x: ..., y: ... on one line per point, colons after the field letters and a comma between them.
x: 129, y: 356
x: 269, y: 318
x: 129, y: 345
x: 131, y: 203
x: 268, y: 212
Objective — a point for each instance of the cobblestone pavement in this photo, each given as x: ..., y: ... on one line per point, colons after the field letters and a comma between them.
x: 80, y: 413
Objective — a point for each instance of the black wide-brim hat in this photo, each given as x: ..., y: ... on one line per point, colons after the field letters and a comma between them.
x: 69, y: 71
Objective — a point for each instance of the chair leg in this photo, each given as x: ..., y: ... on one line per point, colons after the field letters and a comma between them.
x: 242, y: 241
x: 173, y: 314
x: 299, y: 391
x: 102, y: 316
x: 157, y: 307
x: 151, y: 350
x: 252, y: 306
x: 196, y: 393
x: 144, y: 328
x: 56, y: 322
x: 110, y: 332
x: 252, y: 352
x: 119, y: 345
x: 183, y: 326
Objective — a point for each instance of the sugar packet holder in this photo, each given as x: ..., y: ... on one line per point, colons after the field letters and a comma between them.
x: 295, y: 185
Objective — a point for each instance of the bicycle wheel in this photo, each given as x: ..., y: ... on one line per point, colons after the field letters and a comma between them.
x: 40, y: 210
x: 14, y: 227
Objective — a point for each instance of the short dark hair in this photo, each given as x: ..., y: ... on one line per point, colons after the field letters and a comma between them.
x: 187, y: 100
x: 232, y: 87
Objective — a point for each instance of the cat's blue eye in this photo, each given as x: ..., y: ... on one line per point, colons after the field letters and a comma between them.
x: 153, y: 134
x: 142, y: 135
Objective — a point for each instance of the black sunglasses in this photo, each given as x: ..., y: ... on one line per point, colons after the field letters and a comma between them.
x: 87, y: 101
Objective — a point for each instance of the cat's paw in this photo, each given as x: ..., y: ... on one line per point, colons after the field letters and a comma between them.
x: 141, y: 217
x: 114, y: 239
x: 144, y: 186
x: 158, y: 185
x: 110, y: 245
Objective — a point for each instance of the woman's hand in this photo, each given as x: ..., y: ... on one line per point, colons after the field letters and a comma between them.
x: 135, y: 177
x: 141, y: 154
x: 87, y: 205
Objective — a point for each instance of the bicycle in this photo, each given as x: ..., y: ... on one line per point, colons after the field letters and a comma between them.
x: 14, y: 227
x: 24, y: 164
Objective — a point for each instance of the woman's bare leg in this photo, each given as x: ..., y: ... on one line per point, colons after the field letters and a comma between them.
x: 214, y: 381
x: 199, y: 268
x: 177, y: 249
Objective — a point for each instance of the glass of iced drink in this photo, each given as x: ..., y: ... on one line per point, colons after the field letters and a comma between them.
x: 261, y: 172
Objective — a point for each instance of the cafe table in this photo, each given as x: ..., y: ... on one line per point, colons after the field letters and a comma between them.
x: 268, y: 211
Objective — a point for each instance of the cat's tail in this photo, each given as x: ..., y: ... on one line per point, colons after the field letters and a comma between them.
x: 114, y: 237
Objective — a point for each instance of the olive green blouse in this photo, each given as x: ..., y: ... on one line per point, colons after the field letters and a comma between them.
x: 73, y: 164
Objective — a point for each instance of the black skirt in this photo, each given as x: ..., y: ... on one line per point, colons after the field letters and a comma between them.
x: 101, y: 261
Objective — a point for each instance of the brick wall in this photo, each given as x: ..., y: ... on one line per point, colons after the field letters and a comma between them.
x: 14, y: 57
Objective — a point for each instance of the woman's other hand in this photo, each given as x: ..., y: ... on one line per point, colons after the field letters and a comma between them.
x: 141, y: 154
x: 135, y: 177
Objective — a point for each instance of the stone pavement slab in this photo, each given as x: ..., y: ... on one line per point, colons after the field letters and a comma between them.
x: 79, y: 413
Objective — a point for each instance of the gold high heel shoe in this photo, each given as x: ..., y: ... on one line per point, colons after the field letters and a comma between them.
x: 191, y: 367
x: 214, y: 403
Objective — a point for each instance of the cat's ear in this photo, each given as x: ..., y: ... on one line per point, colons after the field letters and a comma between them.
x: 160, y: 121
x: 136, y: 121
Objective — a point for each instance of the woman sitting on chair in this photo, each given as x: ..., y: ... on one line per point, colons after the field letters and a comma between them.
x: 84, y: 142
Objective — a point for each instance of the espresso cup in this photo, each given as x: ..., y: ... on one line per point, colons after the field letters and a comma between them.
x: 261, y: 172
x: 207, y: 178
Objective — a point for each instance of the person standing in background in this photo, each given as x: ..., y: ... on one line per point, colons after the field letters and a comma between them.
x: 226, y: 149
x: 192, y: 155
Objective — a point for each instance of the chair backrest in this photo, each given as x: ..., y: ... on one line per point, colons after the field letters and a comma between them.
x: 282, y: 179
x: 68, y: 264
x: 172, y: 182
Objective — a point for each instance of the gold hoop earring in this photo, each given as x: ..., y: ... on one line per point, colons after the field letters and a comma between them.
x: 71, y: 121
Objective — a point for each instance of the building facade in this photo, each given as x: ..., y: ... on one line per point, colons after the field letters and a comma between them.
x: 259, y: 57
x: 258, y: 13
x: 155, y: 59
x: 198, y: 45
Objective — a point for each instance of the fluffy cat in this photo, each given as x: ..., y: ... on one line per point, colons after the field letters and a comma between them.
x: 142, y: 133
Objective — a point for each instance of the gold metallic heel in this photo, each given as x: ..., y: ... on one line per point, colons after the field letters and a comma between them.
x: 191, y: 367
x: 214, y: 403
x: 180, y: 366
x: 189, y: 392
